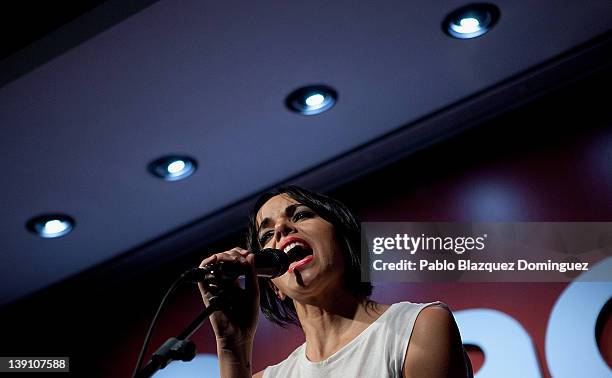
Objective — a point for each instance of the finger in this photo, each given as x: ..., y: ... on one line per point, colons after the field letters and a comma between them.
x: 204, y: 292
x: 221, y: 257
x: 204, y: 289
x: 243, y: 252
x: 209, y: 260
x: 233, y: 256
x: 251, y: 285
x: 237, y: 257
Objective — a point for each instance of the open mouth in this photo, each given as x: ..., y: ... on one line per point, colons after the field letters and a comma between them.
x: 299, y: 252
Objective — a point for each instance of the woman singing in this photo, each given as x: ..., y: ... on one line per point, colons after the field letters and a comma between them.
x: 347, y: 334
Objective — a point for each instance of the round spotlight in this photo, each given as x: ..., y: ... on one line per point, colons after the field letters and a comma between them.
x: 311, y: 100
x: 471, y: 21
x: 50, y: 225
x: 173, y: 168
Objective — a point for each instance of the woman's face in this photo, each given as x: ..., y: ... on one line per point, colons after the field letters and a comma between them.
x: 284, y: 223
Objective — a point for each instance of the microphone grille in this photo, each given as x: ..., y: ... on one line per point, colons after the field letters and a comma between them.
x: 279, y: 258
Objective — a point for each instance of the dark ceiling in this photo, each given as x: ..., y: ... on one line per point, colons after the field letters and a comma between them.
x: 25, y: 22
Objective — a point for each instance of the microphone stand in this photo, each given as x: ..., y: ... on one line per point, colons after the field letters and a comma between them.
x: 180, y: 348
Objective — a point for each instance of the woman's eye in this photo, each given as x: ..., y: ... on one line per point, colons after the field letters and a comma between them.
x: 264, y: 237
x: 302, y: 214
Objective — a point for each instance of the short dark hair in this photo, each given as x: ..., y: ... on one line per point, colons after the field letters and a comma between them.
x: 348, y: 232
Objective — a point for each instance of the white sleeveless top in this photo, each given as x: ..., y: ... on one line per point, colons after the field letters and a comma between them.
x: 378, y: 351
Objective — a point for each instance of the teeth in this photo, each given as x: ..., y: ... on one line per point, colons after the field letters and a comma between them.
x: 290, y: 246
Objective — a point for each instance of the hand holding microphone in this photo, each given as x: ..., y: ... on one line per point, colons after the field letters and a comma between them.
x: 269, y: 263
x: 236, y: 326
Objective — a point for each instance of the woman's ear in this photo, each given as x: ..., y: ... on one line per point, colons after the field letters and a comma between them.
x: 277, y: 291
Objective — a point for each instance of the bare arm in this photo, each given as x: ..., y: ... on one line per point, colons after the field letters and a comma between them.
x: 435, y: 349
x: 234, y: 360
x: 234, y: 326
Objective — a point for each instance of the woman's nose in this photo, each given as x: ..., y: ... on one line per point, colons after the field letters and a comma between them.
x: 283, y: 228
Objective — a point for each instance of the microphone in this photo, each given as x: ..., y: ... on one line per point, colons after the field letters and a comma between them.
x: 269, y: 263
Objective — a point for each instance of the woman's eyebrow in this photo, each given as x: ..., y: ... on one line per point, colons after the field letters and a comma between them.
x: 264, y: 223
x: 288, y: 211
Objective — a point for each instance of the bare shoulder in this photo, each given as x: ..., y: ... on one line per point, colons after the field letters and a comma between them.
x: 259, y: 374
x: 435, y: 348
x: 434, y: 330
x: 436, y: 320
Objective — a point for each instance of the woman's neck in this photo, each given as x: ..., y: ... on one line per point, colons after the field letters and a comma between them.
x: 333, y: 322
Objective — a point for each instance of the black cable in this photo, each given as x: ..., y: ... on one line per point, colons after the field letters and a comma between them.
x: 150, y: 331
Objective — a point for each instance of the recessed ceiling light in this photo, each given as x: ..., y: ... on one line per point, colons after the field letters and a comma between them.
x: 311, y: 100
x: 50, y: 225
x: 173, y: 168
x: 471, y: 21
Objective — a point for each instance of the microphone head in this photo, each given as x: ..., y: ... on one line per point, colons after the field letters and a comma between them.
x: 271, y: 263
